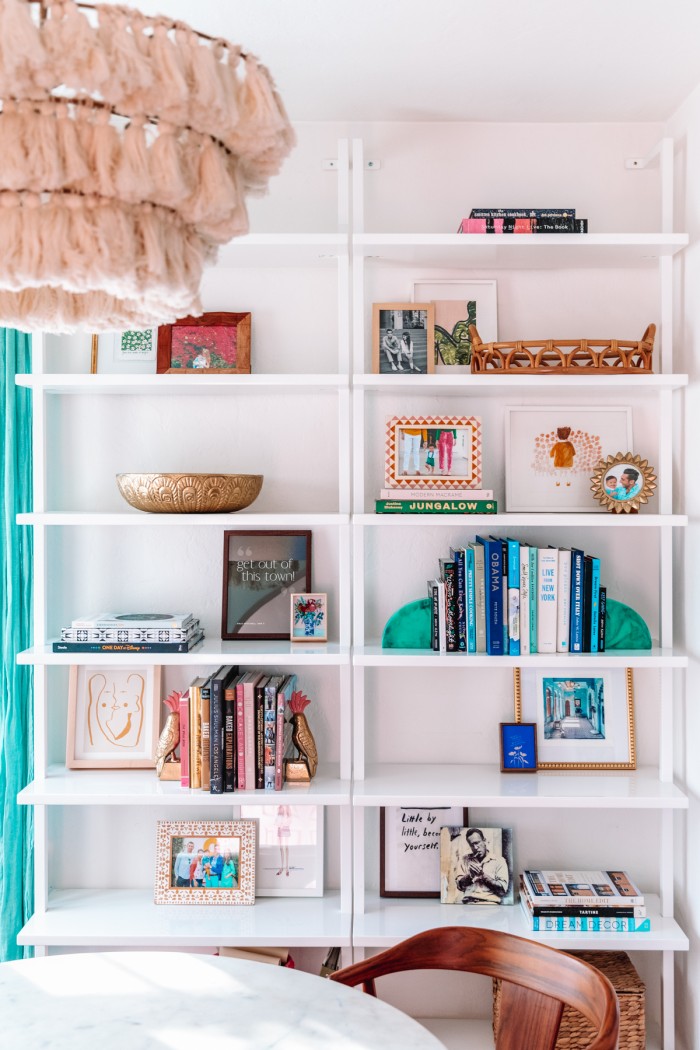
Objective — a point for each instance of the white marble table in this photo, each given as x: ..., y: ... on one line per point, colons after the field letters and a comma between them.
x: 180, y: 1001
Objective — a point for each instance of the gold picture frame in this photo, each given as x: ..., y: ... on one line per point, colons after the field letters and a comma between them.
x: 584, y: 719
x: 622, y: 482
x: 222, y: 865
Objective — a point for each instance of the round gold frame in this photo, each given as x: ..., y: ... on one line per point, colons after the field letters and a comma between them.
x: 623, y: 506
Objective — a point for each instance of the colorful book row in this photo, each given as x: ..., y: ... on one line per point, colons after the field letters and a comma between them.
x: 584, y: 924
x: 525, y: 226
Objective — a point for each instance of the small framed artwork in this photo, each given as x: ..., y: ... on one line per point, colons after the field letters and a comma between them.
x: 457, y: 305
x: 518, y: 747
x: 214, y: 342
x: 289, y: 859
x: 621, y: 483
x: 403, y: 338
x: 309, y: 618
x: 113, y: 717
x: 551, y: 454
x: 262, y: 569
x: 476, y: 866
x: 583, y: 720
x: 409, y: 848
x: 205, y: 862
x: 433, y: 452
x: 127, y: 351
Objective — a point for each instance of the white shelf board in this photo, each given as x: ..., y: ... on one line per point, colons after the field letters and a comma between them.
x: 141, y: 787
x: 504, y: 251
x: 521, y: 520
x: 484, y: 786
x: 494, y: 385
x: 241, y: 520
x: 82, y: 383
x: 376, y: 656
x: 284, y: 249
x: 210, y: 652
x: 122, y: 918
x: 387, y: 921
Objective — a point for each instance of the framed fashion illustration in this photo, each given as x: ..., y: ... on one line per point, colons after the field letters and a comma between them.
x: 289, y: 858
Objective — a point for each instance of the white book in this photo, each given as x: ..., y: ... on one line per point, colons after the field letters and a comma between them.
x: 547, y: 571
x: 563, y: 601
x: 524, y: 600
x: 134, y: 621
x: 442, y: 618
x: 436, y: 493
x: 480, y: 596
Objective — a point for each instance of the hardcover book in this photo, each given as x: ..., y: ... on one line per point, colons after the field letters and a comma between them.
x: 524, y: 600
x: 522, y: 213
x: 470, y: 589
x: 585, y: 924
x: 493, y: 569
x: 595, y: 603
x: 458, y: 555
x: 513, y: 548
x: 564, y: 601
x: 582, y: 887
x: 124, y: 634
x: 479, y: 596
x: 204, y: 701
x: 435, y: 506
x: 219, y: 686
x: 260, y: 731
x: 284, y: 695
x: 271, y: 690
x: 547, y: 570
x: 576, y: 630
x: 132, y: 621
x: 128, y: 647
x: 449, y: 576
x: 429, y: 494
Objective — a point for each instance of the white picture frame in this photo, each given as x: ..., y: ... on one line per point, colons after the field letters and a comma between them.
x: 113, y: 717
x: 548, y: 470
x: 119, y: 353
x: 450, y: 299
x: 298, y: 830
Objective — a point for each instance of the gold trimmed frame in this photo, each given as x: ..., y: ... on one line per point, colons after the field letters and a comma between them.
x: 630, y: 506
x: 166, y: 893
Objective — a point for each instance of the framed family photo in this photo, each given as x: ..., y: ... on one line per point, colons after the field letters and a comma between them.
x: 205, y: 862
x: 403, y: 338
x: 552, y: 452
x: 584, y: 720
x: 433, y: 452
x: 409, y: 848
x: 476, y: 865
x: 289, y: 861
x: 262, y: 569
x: 457, y: 305
x: 214, y: 342
x: 623, y: 482
x: 113, y: 717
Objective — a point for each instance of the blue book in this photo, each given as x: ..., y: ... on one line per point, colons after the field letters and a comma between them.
x: 458, y: 556
x: 595, y: 603
x: 533, y: 599
x: 513, y: 547
x: 576, y: 629
x: 493, y: 559
x: 471, y: 599
x: 504, y: 588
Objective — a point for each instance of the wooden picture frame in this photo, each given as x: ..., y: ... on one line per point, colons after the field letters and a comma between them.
x: 623, y: 482
x: 289, y: 858
x: 420, y: 874
x: 403, y: 339
x: 262, y: 568
x: 226, y: 872
x: 113, y: 716
x: 584, y: 719
x: 518, y: 747
x: 433, y: 452
x: 308, y: 618
x: 185, y: 348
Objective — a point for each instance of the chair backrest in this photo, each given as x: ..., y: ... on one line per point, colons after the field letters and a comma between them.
x: 537, y: 982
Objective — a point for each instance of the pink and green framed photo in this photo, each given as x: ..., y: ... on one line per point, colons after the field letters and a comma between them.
x: 214, y: 342
x: 309, y: 618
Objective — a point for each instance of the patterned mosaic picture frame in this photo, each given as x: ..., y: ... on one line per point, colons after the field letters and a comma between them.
x: 205, y: 862
x: 433, y: 452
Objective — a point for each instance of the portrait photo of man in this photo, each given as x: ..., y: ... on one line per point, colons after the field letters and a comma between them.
x: 476, y: 866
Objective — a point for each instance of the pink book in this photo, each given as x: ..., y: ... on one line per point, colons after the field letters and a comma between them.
x: 240, y: 733
x: 185, y: 740
x: 249, y: 727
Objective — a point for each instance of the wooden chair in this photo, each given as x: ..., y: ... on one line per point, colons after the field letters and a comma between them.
x: 537, y: 982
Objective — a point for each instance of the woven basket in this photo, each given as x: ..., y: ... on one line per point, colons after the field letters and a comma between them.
x: 575, y: 1032
x: 564, y: 356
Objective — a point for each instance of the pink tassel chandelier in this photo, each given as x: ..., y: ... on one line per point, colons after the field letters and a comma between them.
x: 128, y: 145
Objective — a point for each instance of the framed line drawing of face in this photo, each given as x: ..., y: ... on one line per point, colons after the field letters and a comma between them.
x: 262, y: 569
x: 113, y: 717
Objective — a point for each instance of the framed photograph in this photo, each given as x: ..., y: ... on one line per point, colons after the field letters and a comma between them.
x: 518, y: 747
x: 551, y: 454
x: 457, y: 305
x: 124, y: 351
x: 309, y: 619
x: 409, y: 848
x: 214, y: 342
x: 585, y: 720
x: 289, y: 860
x: 621, y: 483
x: 262, y: 569
x: 476, y: 866
x: 205, y: 862
x: 403, y: 338
x: 113, y: 717
x: 433, y: 452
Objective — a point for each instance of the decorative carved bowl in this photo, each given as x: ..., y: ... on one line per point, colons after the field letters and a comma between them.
x: 189, y: 493
x: 564, y: 356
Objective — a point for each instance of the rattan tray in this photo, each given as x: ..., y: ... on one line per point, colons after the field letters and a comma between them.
x: 564, y: 356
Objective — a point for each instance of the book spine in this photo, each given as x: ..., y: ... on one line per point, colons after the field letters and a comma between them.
x: 240, y: 737
x: 442, y: 617
x: 564, y: 601
x: 216, y: 740
x: 283, y: 697
x: 436, y: 506
x: 494, y: 597
x: 587, y: 601
x: 576, y: 630
x: 126, y: 647
x: 533, y: 599
x: 547, y: 569
x: 449, y: 576
x: 524, y: 600
x: 535, y: 882
x: 94, y: 634
x: 431, y: 494
x: 260, y: 735
x: 177, y: 623
x: 586, y: 925
x: 580, y: 225
x: 249, y: 722
x: 433, y: 598
x: 270, y: 734
x: 602, y: 613
x: 206, y: 738
x: 195, y: 739
x: 595, y: 603
x: 459, y: 557
x: 556, y: 225
x: 480, y: 597
x: 470, y: 587
x: 230, y: 739
x: 185, y: 740
x: 614, y: 912
x: 522, y: 213
x: 513, y: 598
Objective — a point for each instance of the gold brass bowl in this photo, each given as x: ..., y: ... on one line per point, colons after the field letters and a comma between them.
x: 189, y: 493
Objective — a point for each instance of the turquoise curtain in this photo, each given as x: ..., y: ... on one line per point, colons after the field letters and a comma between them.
x: 16, y: 723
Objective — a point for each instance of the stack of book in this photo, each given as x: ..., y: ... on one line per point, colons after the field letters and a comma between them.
x: 582, y: 901
x: 523, y: 220
x: 235, y: 731
x: 131, y: 633
x: 432, y: 501
x: 501, y: 597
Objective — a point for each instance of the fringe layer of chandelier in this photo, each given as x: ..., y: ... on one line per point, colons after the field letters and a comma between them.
x: 128, y: 145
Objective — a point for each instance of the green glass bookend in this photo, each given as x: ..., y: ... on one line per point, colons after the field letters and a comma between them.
x: 625, y: 628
